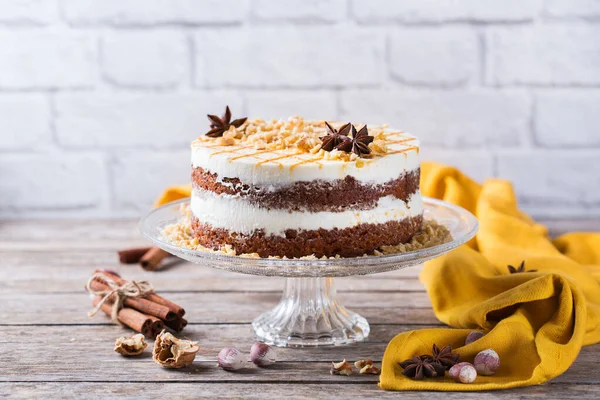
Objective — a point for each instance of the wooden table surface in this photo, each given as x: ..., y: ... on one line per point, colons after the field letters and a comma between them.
x: 51, y: 349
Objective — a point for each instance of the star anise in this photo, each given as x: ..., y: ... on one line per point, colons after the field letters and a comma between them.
x: 359, y: 144
x: 445, y: 357
x: 218, y: 126
x: 418, y: 368
x: 520, y: 268
x: 335, y: 137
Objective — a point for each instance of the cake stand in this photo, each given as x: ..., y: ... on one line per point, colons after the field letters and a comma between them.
x: 309, y: 313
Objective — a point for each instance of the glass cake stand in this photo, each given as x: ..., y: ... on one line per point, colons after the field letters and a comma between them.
x: 309, y: 313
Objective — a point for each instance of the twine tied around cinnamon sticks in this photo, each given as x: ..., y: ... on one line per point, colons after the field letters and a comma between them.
x: 116, y: 293
x: 141, y: 308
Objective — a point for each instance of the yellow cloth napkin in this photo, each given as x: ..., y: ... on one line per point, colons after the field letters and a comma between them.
x: 536, y: 321
x: 173, y: 193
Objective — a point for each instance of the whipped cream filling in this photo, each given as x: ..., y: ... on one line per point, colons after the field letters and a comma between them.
x: 235, y: 214
x: 254, y: 168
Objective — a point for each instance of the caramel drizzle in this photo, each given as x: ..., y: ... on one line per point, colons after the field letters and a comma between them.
x: 293, y: 166
x: 231, y: 150
x: 277, y: 158
x: 404, y: 150
x: 400, y: 141
x: 250, y: 154
x: 394, y: 134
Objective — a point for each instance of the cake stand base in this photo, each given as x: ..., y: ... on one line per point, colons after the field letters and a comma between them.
x: 308, y: 314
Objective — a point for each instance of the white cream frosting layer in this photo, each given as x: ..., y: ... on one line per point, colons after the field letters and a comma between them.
x: 236, y: 214
x: 252, y: 169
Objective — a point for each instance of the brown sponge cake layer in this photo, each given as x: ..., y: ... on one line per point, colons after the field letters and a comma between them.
x: 348, y: 242
x: 314, y: 196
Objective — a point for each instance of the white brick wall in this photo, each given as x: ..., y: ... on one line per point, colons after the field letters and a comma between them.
x: 99, y: 99
x: 28, y: 12
x: 46, y: 60
x: 24, y: 121
x: 552, y: 55
x: 448, y: 119
x: 156, y: 59
x: 139, y: 175
x: 277, y: 56
x: 434, y: 57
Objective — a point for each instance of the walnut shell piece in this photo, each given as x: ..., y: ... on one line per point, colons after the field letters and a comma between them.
x: 130, y: 346
x: 171, y: 352
x: 362, y: 363
x: 341, y: 368
x: 369, y: 370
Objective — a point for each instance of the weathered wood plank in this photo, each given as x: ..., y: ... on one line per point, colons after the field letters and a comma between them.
x: 86, y: 354
x: 61, y: 271
x: 113, y: 370
x: 250, y: 390
x: 227, y: 307
x: 212, y: 338
x: 45, y: 263
x: 68, y: 231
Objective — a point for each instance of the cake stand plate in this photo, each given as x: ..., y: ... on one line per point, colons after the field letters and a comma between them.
x: 308, y: 313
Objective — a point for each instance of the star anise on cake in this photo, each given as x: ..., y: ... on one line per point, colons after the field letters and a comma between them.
x: 443, y: 356
x: 418, y: 368
x: 218, y: 126
x: 335, y: 137
x: 359, y: 144
x: 520, y: 268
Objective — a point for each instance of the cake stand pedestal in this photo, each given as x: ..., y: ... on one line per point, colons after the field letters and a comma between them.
x: 308, y: 313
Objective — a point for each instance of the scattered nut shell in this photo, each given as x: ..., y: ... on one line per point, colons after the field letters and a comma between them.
x: 130, y: 346
x: 262, y: 354
x: 231, y: 359
x: 341, y: 368
x: 473, y: 336
x: 362, y: 363
x: 487, y: 362
x: 463, y: 372
x: 171, y: 352
x: 369, y: 369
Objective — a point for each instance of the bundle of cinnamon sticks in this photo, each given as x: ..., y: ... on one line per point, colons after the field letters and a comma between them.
x: 147, y: 315
x: 149, y: 258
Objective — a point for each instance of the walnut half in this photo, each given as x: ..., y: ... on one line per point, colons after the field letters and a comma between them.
x: 131, y: 346
x: 341, y: 368
x: 171, y: 352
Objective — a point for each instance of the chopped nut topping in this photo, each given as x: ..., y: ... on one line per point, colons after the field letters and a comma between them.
x: 304, y: 136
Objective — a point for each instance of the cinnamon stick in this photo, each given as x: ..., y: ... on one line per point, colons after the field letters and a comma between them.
x: 152, y: 259
x: 141, y: 304
x: 146, y: 325
x: 177, y: 309
x: 177, y: 324
x: 132, y: 256
x: 157, y: 326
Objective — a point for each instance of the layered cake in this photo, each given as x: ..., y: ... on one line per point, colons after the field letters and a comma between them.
x: 294, y: 188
